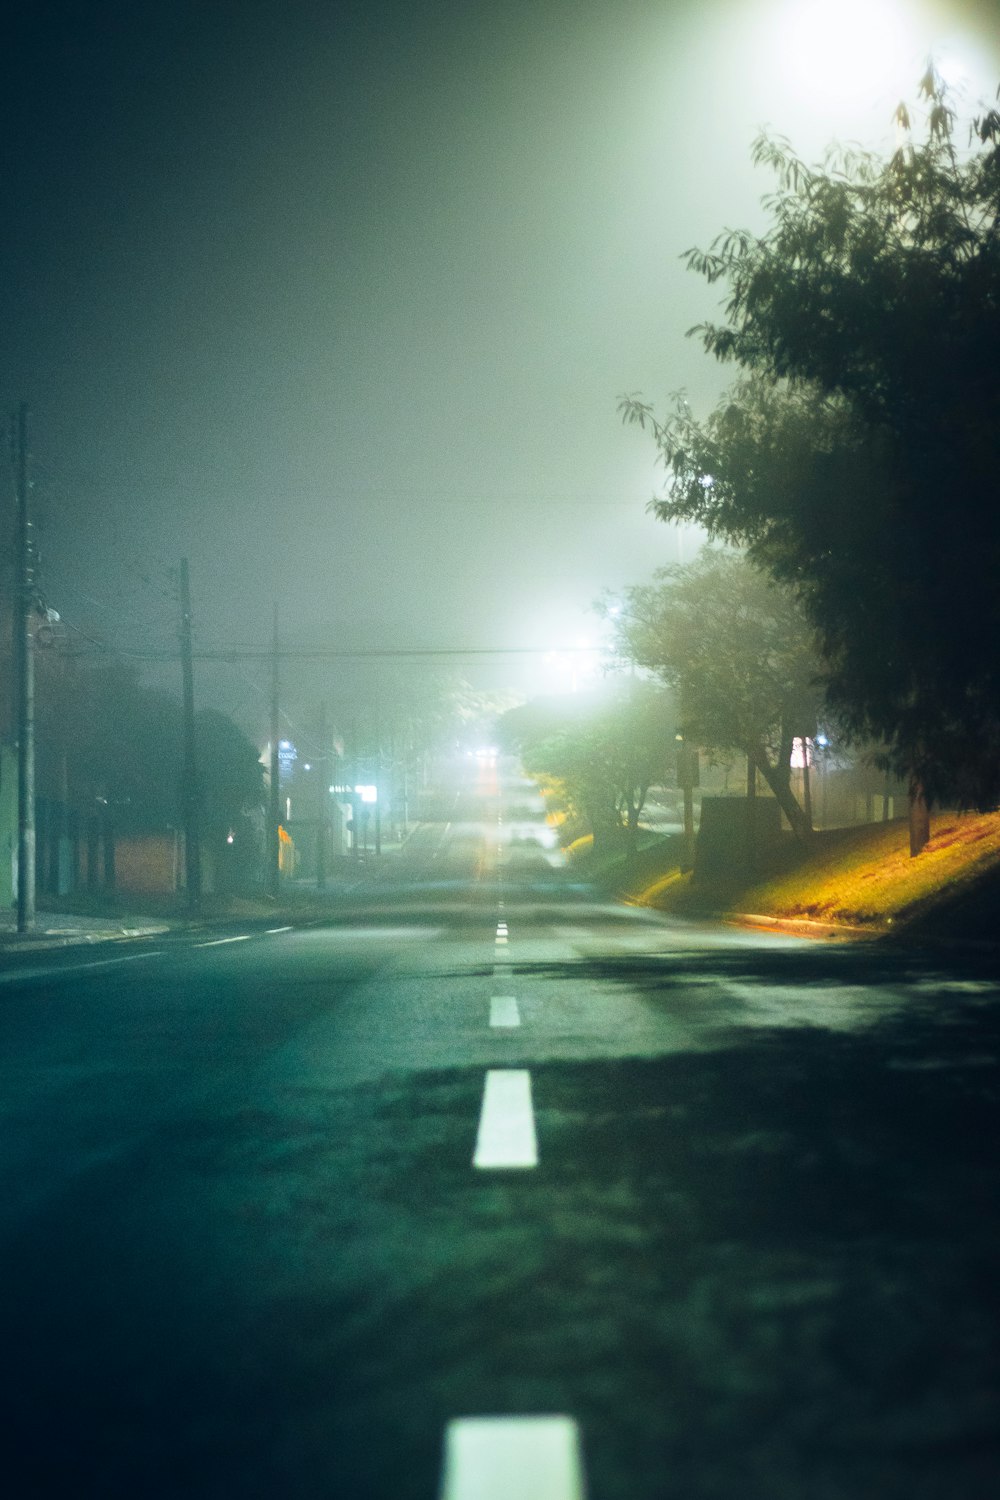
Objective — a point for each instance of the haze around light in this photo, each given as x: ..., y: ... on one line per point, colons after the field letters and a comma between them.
x: 340, y: 308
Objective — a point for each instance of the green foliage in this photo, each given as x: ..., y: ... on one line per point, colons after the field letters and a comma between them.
x: 858, y: 458
x: 119, y: 744
x: 740, y: 653
x: 230, y: 775
x: 606, y: 749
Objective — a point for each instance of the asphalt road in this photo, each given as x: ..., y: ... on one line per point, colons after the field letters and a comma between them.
x: 286, y: 1213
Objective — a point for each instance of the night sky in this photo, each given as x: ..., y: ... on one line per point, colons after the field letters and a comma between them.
x: 336, y: 300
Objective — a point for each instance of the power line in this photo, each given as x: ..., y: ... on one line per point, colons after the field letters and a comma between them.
x: 262, y: 654
x: 322, y: 653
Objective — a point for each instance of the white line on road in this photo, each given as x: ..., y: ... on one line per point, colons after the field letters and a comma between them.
x: 270, y: 931
x: 504, y: 1011
x: 506, y: 1136
x: 55, y: 971
x: 244, y: 937
x: 501, y: 938
x: 512, y: 1458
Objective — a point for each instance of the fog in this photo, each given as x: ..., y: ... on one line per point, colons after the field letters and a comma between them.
x: 336, y: 300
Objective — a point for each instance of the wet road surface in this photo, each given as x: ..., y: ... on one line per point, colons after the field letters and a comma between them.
x: 488, y: 1188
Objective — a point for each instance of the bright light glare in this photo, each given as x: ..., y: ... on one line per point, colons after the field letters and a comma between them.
x: 847, y: 52
x: 958, y: 67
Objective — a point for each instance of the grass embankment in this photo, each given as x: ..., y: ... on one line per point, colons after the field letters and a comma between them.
x: 854, y: 877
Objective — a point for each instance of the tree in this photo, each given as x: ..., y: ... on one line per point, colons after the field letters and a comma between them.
x: 113, y: 745
x: 858, y: 457
x: 605, y: 749
x: 739, y: 652
x: 230, y: 774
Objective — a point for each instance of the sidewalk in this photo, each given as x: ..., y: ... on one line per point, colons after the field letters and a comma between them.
x: 298, y: 899
x: 60, y: 930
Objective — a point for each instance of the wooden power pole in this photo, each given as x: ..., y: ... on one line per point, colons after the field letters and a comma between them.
x: 24, y: 668
x: 191, y: 792
x: 274, y: 817
x: 323, y: 805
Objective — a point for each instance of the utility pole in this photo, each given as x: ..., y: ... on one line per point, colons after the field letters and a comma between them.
x: 24, y: 667
x: 323, y: 810
x: 378, y: 777
x: 274, y: 819
x: 191, y: 792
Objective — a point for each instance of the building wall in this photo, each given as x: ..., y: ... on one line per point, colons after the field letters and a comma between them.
x: 149, y: 863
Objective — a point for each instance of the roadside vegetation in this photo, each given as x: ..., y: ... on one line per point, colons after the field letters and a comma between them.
x: 847, y: 485
x: 596, y: 755
x: 861, y: 879
x: 855, y: 457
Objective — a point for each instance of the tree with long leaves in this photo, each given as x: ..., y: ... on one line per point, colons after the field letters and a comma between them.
x: 858, y: 456
x: 738, y: 651
x: 605, y: 750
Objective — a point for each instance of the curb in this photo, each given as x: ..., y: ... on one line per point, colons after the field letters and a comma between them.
x: 804, y: 927
x: 37, y: 942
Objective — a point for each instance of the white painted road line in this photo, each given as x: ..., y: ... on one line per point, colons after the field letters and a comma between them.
x: 58, y: 971
x: 501, y: 938
x: 506, y: 1136
x: 270, y: 931
x: 217, y: 942
x: 504, y: 1011
x: 512, y: 1458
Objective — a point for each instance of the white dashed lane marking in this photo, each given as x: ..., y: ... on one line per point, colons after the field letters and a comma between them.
x: 504, y: 1011
x: 512, y: 1458
x: 506, y: 1136
x: 218, y: 942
